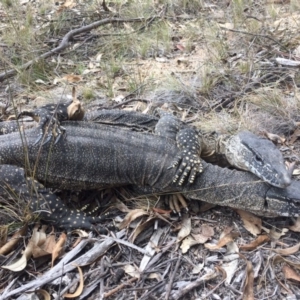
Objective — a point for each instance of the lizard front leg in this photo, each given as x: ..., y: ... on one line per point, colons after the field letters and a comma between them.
x: 188, y: 162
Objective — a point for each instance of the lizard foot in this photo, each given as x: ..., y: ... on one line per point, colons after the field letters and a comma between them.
x: 188, y: 161
x: 49, y: 126
x: 188, y: 165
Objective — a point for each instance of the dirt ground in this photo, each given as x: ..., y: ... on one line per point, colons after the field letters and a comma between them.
x: 221, y: 66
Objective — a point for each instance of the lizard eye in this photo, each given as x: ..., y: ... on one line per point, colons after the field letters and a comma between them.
x: 258, y: 159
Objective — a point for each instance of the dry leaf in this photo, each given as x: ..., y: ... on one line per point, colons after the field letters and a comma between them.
x: 200, y: 238
x: 46, y: 248
x: 254, y: 244
x: 81, y: 233
x: 187, y: 243
x: 44, y: 294
x: 278, y: 259
x: 231, y: 259
x: 132, y: 271
x: 287, y: 251
x: 180, y: 47
x: 72, y: 78
x: 230, y: 269
x: 275, y: 235
x: 206, y: 233
x: 67, y: 5
x: 38, y: 237
x: 296, y: 172
x: 248, y: 293
x: 9, y: 246
x: 223, y: 241
x: 197, y: 268
x: 290, y: 273
x: 274, y: 137
x: 156, y: 276
x: 296, y: 226
x: 186, y: 227
x: 58, y: 247
x: 131, y: 216
x: 251, y: 222
x: 21, y: 263
x: 161, y: 211
x: 118, y: 99
x: 227, y: 25
x: 140, y: 228
x: 79, y: 290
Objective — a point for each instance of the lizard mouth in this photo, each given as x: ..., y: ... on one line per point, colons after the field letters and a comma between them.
x: 284, y: 202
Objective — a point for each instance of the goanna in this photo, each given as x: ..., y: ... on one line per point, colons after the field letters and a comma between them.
x: 97, y: 156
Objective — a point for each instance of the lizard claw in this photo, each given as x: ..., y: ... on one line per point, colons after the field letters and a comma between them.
x: 176, y: 202
x: 188, y: 161
x: 60, y: 131
x: 47, y: 139
x: 189, y: 165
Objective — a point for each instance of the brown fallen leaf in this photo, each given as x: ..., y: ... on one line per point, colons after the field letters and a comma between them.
x: 251, y: 222
x: 140, y: 228
x: 131, y: 216
x: 180, y: 47
x: 206, y: 232
x: 290, y: 273
x: 186, y: 228
x: 9, y: 246
x: 44, y: 294
x: 67, y: 5
x: 294, y: 136
x: 231, y: 261
x: 38, y: 237
x: 79, y: 290
x: 132, y: 271
x: 248, y: 293
x: 81, y: 234
x: 276, y: 235
x: 187, y: 243
x: 287, y: 251
x: 254, y: 244
x: 223, y: 241
x: 21, y: 263
x: 161, y: 211
x: 58, y: 247
x: 278, y: 259
x: 274, y: 137
x: 296, y: 226
x: 46, y: 248
x: 72, y: 78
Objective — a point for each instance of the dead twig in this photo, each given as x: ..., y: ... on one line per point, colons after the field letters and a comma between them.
x: 118, y: 288
x: 194, y: 284
x: 258, y: 35
x: 172, y: 278
x: 66, y: 39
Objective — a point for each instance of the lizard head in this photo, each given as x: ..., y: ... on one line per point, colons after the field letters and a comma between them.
x: 258, y: 155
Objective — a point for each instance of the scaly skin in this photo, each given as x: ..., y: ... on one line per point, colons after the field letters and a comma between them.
x: 99, y: 156
x: 14, y: 184
x: 244, y: 150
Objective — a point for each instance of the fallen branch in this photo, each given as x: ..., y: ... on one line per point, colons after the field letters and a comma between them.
x: 65, y: 266
x: 65, y: 42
